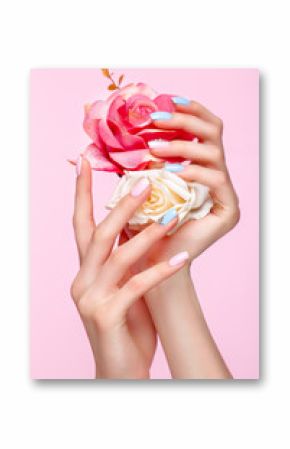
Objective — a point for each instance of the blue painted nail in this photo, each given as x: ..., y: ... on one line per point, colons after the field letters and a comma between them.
x: 161, y: 115
x: 180, y: 100
x: 170, y: 214
x: 173, y: 168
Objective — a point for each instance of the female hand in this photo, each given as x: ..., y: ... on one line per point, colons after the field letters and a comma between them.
x: 106, y: 293
x: 207, y: 166
x: 189, y: 347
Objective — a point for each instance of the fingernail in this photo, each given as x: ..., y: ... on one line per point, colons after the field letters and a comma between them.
x: 173, y: 168
x: 161, y: 115
x: 140, y: 187
x: 180, y: 100
x: 79, y: 165
x: 158, y: 144
x: 178, y: 258
x: 170, y: 214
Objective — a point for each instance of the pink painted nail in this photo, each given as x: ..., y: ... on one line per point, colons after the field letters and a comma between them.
x: 140, y: 187
x: 79, y: 165
x: 178, y: 258
x: 158, y: 144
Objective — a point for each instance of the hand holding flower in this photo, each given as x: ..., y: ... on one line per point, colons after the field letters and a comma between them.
x: 107, y: 294
x: 208, y: 168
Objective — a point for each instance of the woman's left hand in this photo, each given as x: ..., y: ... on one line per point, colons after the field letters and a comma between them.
x: 108, y: 291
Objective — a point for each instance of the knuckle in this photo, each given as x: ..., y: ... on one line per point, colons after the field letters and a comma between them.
x: 84, y: 308
x: 101, y: 234
x: 75, y: 289
x: 221, y: 179
x: 135, y: 284
x: 232, y: 217
x: 216, y: 154
x: 219, y: 124
x: 195, y: 107
x: 217, y: 129
x: 236, y: 215
x: 118, y: 257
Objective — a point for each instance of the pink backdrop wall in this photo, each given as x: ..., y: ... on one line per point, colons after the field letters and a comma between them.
x: 226, y: 275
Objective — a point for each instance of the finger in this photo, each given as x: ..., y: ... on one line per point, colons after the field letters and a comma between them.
x: 192, y: 151
x: 106, y: 232
x: 142, y: 282
x: 83, y: 219
x: 129, y: 253
x: 205, y: 131
x: 218, y: 182
x: 196, y: 109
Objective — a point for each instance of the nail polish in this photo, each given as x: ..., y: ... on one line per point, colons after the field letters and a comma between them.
x: 180, y: 100
x: 169, y: 216
x: 173, y: 168
x: 140, y: 186
x: 178, y: 258
x: 161, y: 115
x: 153, y: 144
x: 79, y: 165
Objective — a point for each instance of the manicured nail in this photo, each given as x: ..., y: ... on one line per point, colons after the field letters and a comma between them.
x: 140, y: 187
x: 161, y: 115
x: 158, y: 144
x: 170, y: 214
x: 173, y: 168
x: 178, y: 258
x: 180, y: 100
x: 79, y: 165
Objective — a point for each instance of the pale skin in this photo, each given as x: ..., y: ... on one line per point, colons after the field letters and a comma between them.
x: 124, y: 345
x: 107, y: 294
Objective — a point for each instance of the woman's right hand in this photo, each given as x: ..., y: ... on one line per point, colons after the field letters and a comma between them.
x: 105, y: 290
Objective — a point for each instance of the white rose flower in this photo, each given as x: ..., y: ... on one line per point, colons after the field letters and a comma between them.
x: 190, y: 199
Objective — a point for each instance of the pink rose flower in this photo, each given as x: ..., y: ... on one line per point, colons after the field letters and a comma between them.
x: 120, y: 128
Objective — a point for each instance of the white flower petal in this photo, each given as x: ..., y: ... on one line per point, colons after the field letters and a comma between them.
x: 191, y: 200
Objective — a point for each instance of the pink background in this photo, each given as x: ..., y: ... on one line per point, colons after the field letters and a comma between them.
x: 226, y: 275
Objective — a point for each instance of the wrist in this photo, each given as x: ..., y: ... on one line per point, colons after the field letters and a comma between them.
x: 173, y: 285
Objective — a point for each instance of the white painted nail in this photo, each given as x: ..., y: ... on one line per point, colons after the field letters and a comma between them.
x: 158, y: 144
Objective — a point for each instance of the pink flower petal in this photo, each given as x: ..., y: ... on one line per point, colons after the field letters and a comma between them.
x: 130, y: 159
x: 164, y: 103
x: 94, y: 113
x: 117, y: 111
x: 146, y: 90
x: 156, y: 133
x: 128, y: 141
x: 132, y: 89
x: 125, y: 92
x: 97, y: 110
x: 98, y: 161
x: 107, y: 136
x: 138, y: 110
x: 165, y: 134
x: 91, y: 127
